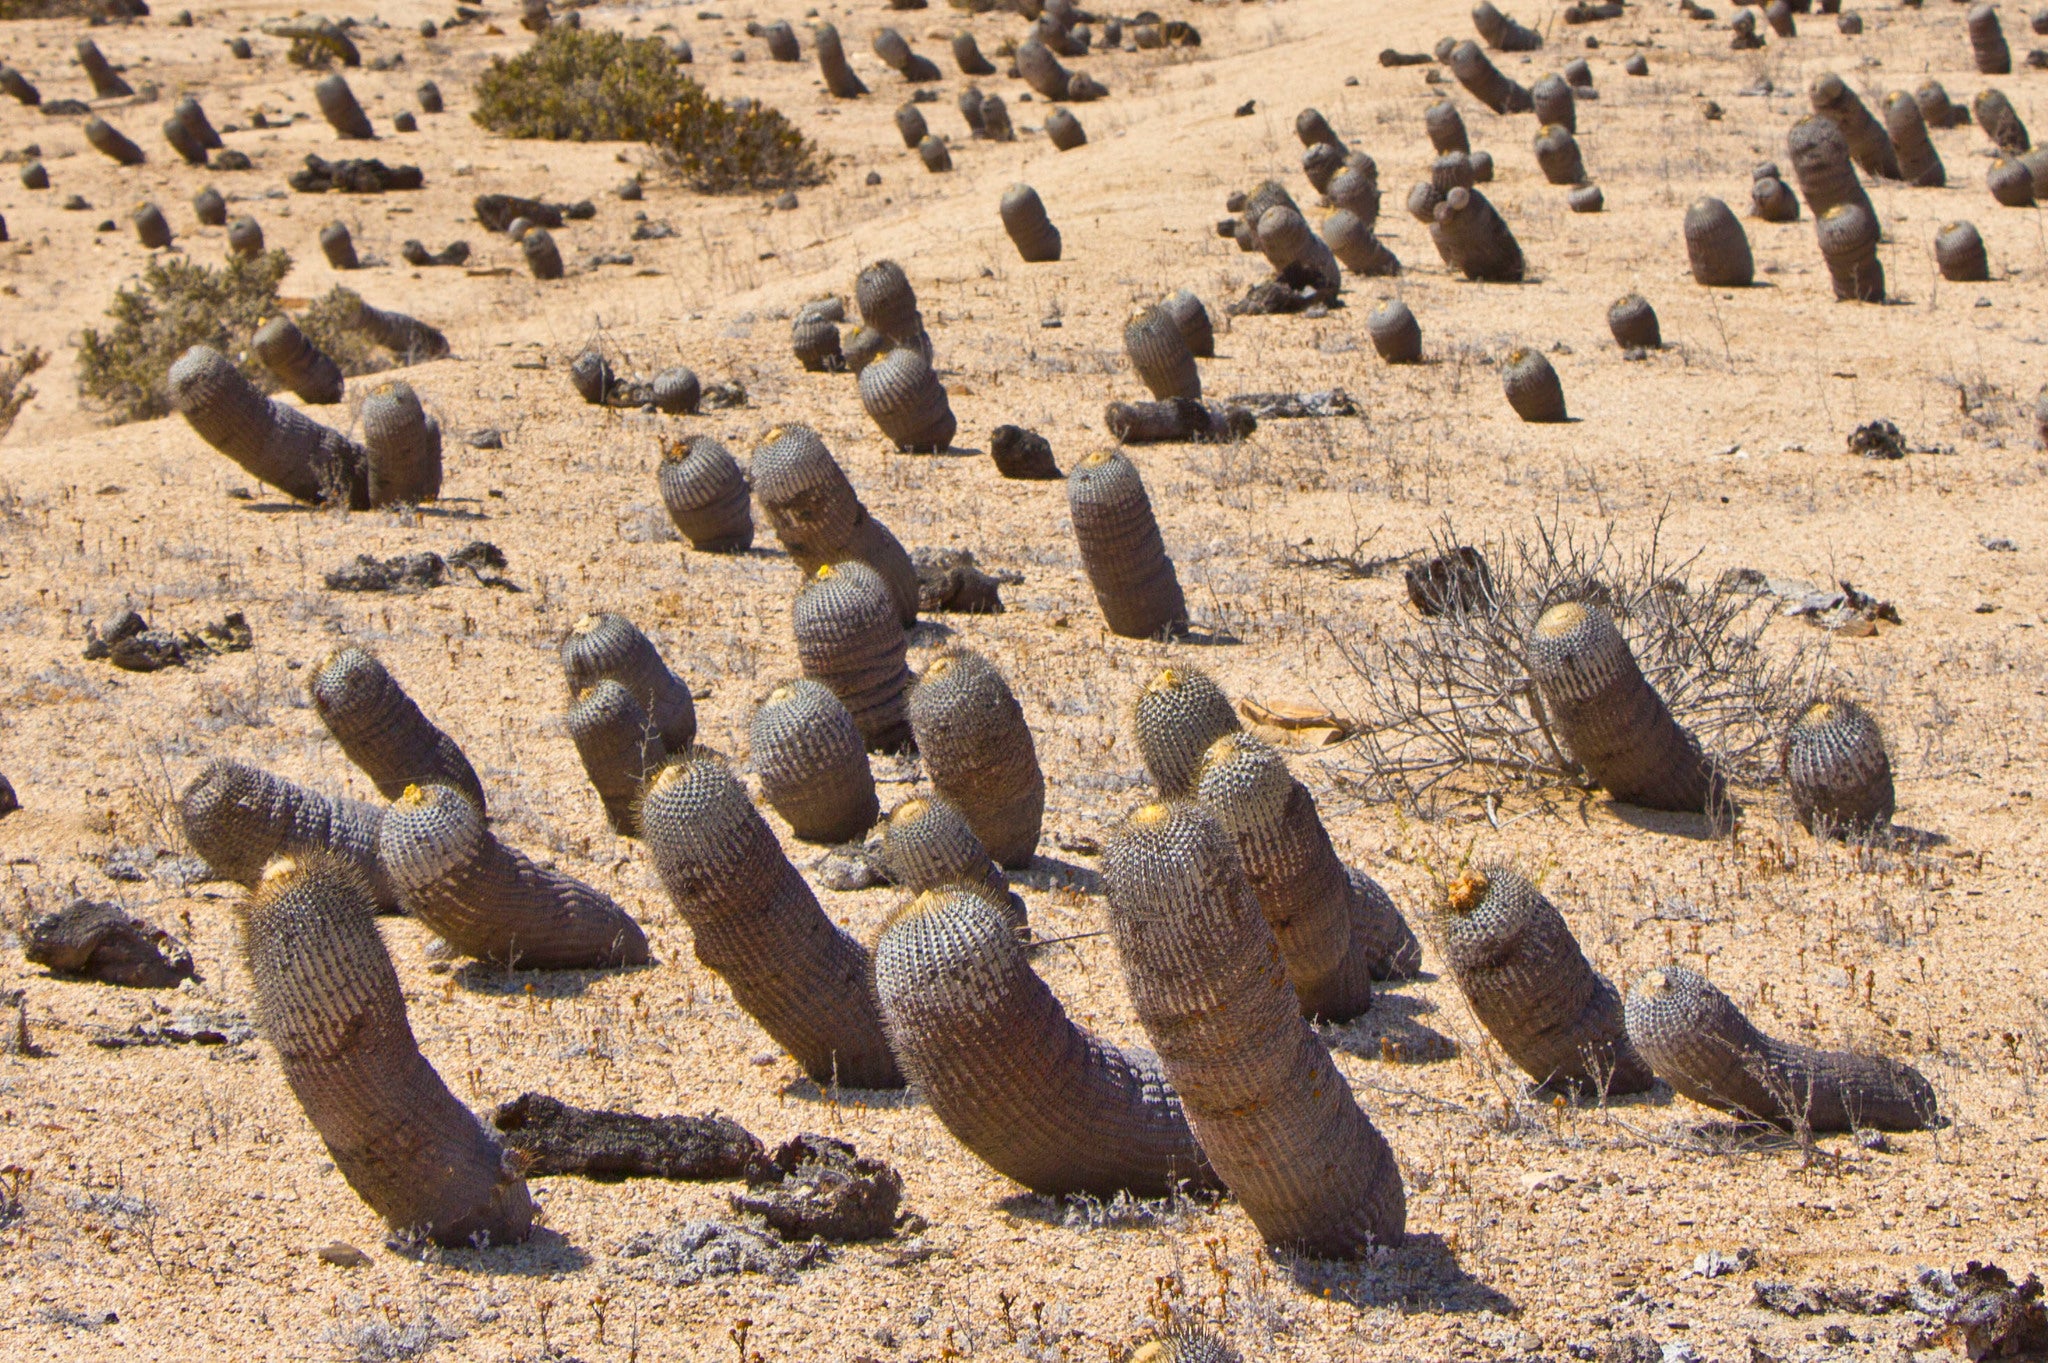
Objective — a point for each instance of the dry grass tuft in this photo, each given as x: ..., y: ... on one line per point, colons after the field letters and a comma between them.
x: 15, y: 391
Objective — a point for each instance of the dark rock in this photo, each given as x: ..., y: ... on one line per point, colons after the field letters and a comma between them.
x: 402, y: 573
x: 150, y: 651
x: 559, y: 1139
x: 361, y: 176
x: 820, y: 1188
x: 416, y: 253
x: 950, y: 580
x: 9, y: 802
x: 1878, y: 439
x: 1022, y: 454
x: 101, y: 942
x: 227, y: 158
x: 186, y: 1027
x: 1389, y: 57
x: 496, y: 211
x: 488, y: 438
x: 1992, y: 1317
x: 1454, y: 583
x: 122, y: 624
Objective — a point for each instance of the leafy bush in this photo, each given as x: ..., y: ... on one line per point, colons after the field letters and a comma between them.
x: 178, y: 305
x: 580, y: 85
x: 15, y: 394
x: 720, y: 147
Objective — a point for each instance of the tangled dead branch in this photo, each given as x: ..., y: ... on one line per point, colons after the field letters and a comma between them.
x: 1450, y: 713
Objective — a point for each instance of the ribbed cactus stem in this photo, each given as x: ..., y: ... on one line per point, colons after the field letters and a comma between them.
x: 383, y: 731
x: 280, y: 445
x: 813, y: 763
x: 609, y: 646
x: 238, y: 817
x: 978, y: 752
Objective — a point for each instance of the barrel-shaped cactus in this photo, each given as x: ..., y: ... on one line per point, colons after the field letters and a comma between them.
x: 832, y: 64
x: 619, y: 746
x: 1919, y: 163
x: 934, y: 154
x: 335, y: 243
x: 245, y: 238
x: 1987, y: 42
x: 1821, y: 165
x: 1041, y: 70
x: 1699, y: 1042
x: 493, y: 902
x: 106, y: 81
x: 815, y: 512
x: 1837, y: 770
x: 2000, y: 121
x: 1064, y: 130
x: 339, y: 107
x: 1772, y: 200
x: 1531, y: 987
x: 383, y: 731
x: 1552, y: 101
x: 1395, y: 333
x: 1502, y: 33
x: 404, y: 444
x: 1356, y: 188
x: 756, y: 923
x: 210, y: 208
x: 1959, y: 252
x: 1606, y: 713
x: 978, y: 752
x: 967, y: 56
x: 1193, y: 320
x: 813, y: 763
x: 1179, y: 714
x: 1717, y: 246
x: 1446, y: 127
x: 1533, y: 389
x: 1038, y: 1098
x: 328, y: 1000
x: 1031, y: 231
x: 296, y: 361
x: 108, y: 140
x: 1848, y: 243
x: 1870, y: 146
x: 1159, y: 354
x: 927, y: 844
x: 1473, y: 238
x: 429, y: 96
x: 1356, y: 248
x: 1484, y: 81
x: 888, y: 305
x: 907, y: 401
x: 1276, y: 1119
x: 611, y: 646
x: 849, y: 637
x: 543, y: 257
x: 280, y: 445
x: 1936, y: 107
x: 189, y: 148
x: 152, y: 229
x: 706, y: 493
x: 1557, y: 156
x: 1121, y: 549
x: 1634, y: 323
x: 238, y: 817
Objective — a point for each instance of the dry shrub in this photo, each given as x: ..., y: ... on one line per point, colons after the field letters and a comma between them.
x: 1452, y: 714
x: 581, y: 85
x: 178, y: 304
x: 329, y: 323
x: 15, y: 392
x: 66, y: 9
x: 720, y: 147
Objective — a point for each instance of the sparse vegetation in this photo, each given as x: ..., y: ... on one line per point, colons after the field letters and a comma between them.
x: 720, y: 148
x: 15, y: 392
x: 330, y: 324
x: 581, y: 85
x: 179, y: 304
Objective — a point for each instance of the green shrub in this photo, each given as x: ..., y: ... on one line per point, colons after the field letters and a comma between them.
x: 580, y: 85
x: 720, y: 147
x: 178, y: 305
x: 14, y: 393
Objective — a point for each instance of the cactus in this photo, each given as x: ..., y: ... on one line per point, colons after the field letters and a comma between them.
x: 296, y: 361
x: 933, y: 153
x: 245, y: 238
x: 1578, y: 74
x: 611, y: 646
x: 1031, y: 231
x: 1320, y: 163
x: 275, y: 443
x: 1532, y: 386
x: 335, y: 244
x: 757, y: 925
x: 1919, y: 163
x: 1717, y: 246
x: 189, y: 148
x: 1695, y: 1037
x: 1518, y: 965
x: 620, y: 748
x: 814, y: 340
x: 1178, y: 716
x: 1557, y: 156
x: 849, y: 637
x: 1869, y: 144
x: 329, y: 1001
x: 1298, y: 256
x: 1778, y: 15
x: 1395, y: 333
x: 1446, y: 128
x: 1041, y: 70
x: 383, y: 731
x: 2001, y: 123
x: 816, y: 514
x: 1472, y: 238
x: 706, y: 494
x: 812, y: 763
x: 927, y: 844
x: 492, y: 902
x: 194, y: 120
x: 1308, y: 896
x: 1277, y: 1120
x: 1634, y: 323
x: 210, y: 208
x: 1449, y: 171
x: 1312, y: 128
x: 1772, y: 200
x: 1064, y: 130
x: 910, y: 125
x: 888, y: 305
x: 543, y: 257
x: 1585, y: 199
x: 1820, y: 163
x: 404, y: 445
x: 1184, y: 1344
x: 152, y: 229
x: 106, y: 82
x: 1611, y: 719
x: 1837, y: 770
x: 1039, y: 1099
x: 895, y: 53
x: 19, y: 87
x: 1121, y: 550
x: 906, y: 400
x: 1018, y: 453
x: 968, y: 57
x: 782, y: 43
x: 1959, y: 251
x: 338, y: 106
x: 429, y: 96
x: 832, y: 64
x: 978, y: 752
x: 1356, y: 188
x: 1987, y: 42
x: 1637, y: 65
x: 35, y: 175
x: 2011, y: 182
x: 1848, y: 242
x: 1484, y: 81
x: 1503, y: 34
x: 1193, y: 320
x: 1553, y: 103
x: 238, y: 817
x: 1160, y: 354
x: 111, y: 142
x: 1936, y: 107
x: 1354, y: 245
x: 995, y: 120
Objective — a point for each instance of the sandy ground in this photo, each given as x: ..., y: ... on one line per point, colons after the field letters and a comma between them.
x: 177, y: 1192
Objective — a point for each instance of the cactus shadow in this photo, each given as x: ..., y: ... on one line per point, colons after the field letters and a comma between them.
x: 808, y: 1090
x: 481, y: 977
x: 1392, y: 1030
x: 1420, y: 1274
x: 544, y: 1254
x: 1673, y: 823
x: 928, y: 633
x: 1051, y: 873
